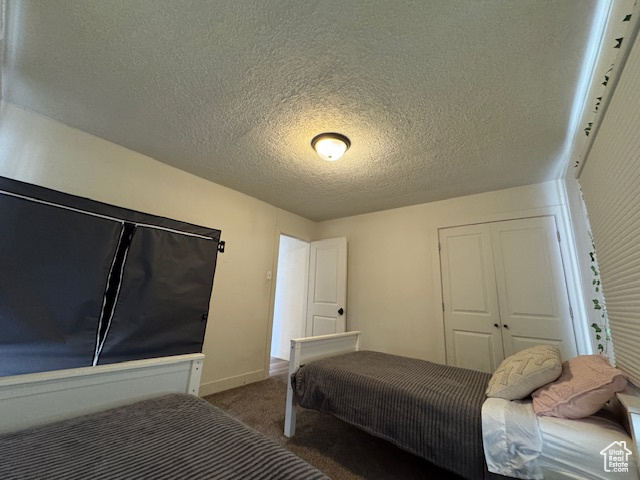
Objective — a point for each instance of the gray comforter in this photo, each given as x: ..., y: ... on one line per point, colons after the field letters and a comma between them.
x: 170, y: 437
x: 431, y: 410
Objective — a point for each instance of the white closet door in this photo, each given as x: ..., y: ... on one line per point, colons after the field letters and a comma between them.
x: 472, y: 320
x: 532, y: 290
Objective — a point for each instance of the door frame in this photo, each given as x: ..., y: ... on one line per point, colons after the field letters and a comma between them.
x: 569, y: 259
x: 290, y: 324
x: 272, y: 297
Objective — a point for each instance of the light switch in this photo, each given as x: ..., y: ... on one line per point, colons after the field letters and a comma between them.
x: 269, y: 275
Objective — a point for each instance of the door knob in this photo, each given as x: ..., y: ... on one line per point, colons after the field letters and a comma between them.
x: 496, y: 325
x: 341, y: 311
x: 506, y: 326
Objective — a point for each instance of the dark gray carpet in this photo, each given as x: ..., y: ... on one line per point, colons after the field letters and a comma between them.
x: 340, y: 450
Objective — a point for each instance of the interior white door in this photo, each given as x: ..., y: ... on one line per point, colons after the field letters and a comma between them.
x: 471, y: 312
x: 532, y: 289
x: 327, y: 294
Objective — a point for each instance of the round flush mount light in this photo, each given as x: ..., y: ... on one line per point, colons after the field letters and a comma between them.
x: 330, y: 146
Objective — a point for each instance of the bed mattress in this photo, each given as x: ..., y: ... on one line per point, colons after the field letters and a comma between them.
x: 571, y: 448
x: 522, y: 445
x: 175, y: 436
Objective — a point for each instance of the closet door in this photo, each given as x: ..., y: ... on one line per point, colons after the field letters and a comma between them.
x: 472, y: 318
x: 532, y: 290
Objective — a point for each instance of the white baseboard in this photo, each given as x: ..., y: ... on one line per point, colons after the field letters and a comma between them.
x: 228, y: 383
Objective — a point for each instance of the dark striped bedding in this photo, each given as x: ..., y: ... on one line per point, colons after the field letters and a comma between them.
x: 171, y: 437
x: 431, y: 410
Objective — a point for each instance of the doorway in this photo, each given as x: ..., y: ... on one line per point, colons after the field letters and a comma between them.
x: 289, y: 310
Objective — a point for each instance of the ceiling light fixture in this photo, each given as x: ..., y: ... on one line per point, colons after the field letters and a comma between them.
x: 330, y: 146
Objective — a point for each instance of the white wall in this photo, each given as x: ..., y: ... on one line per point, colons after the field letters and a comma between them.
x: 38, y: 150
x: 394, y: 288
x: 291, y: 294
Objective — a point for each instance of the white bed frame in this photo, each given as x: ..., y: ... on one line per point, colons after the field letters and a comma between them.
x: 314, y: 348
x: 39, y: 398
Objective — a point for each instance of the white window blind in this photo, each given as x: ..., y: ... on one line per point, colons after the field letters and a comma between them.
x: 611, y: 186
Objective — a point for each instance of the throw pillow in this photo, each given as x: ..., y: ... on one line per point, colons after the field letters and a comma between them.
x: 586, y: 384
x: 521, y: 373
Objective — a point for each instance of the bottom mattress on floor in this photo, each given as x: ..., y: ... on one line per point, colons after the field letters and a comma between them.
x: 175, y: 436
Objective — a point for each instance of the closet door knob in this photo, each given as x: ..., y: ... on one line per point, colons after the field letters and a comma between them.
x: 506, y: 326
x: 341, y: 311
x: 496, y: 325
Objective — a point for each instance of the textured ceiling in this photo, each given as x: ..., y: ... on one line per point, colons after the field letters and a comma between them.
x: 440, y: 98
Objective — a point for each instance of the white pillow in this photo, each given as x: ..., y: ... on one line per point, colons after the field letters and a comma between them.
x: 521, y: 373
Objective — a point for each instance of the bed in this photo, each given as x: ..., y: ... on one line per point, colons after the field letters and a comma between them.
x: 396, y: 398
x: 142, y: 421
